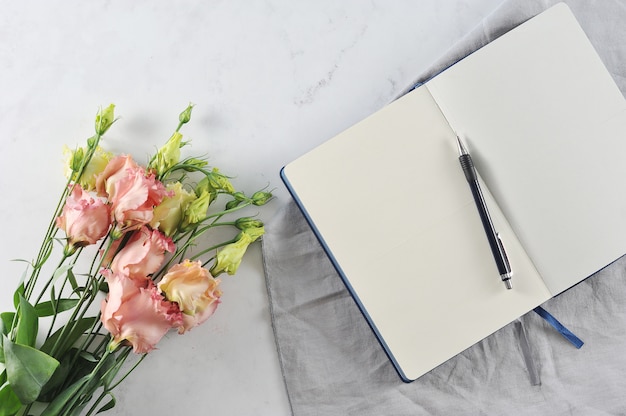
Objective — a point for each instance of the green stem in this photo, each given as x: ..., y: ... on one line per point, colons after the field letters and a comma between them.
x: 84, y: 302
x: 54, y: 317
x: 76, y: 398
x: 79, y: 313
x: 97, y: 402
x: 88, y: 340
x: 103, y: 344
x: 107, y: 389
x: 17, y: 309
x: 220, y: 214
x: 24, y: 411
x: 200, y: 254
x: 208, y: 261
x: 46, y: 247
x: 49, y: 282
x: 118, y: 382
x: 45, y: 250
x: 183, y: 250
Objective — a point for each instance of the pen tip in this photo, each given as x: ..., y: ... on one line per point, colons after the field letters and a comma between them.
x: 508, y: 284
x: 461, y: 146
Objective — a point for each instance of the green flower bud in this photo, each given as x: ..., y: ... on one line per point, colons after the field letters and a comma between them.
x: 185, y: 116
x: 196, y: 163
x: 261, y: 197
x: 76, y: 159
x: 214, y: 182
x: 104, y: 119
x: 222, y: 182
x: 245, y: 223
x: 168, y: 155
x: 239, y: 196
x: 232, y: 204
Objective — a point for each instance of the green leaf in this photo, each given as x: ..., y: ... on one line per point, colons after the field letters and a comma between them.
x: 48, y: 392
x: 7, y: 321
x: 27, y: 325
x: 3, y: 373
x: 67, y: 396
x: 72, y: 279
x: 10, y: 402
x: 53, y: 296
x: 19, y: 292
x: 109, y: 405
x: 78, y: 328
x: 28, y: 369
x: 70, y: 370
x: 50, y: 308
x: 74, y: 398
x: 80, y: 393
x: 61, y: 271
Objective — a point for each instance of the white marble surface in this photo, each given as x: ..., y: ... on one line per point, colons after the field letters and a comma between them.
x: 270, y: 80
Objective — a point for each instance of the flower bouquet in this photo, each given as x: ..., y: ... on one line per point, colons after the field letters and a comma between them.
x: 118, y: 268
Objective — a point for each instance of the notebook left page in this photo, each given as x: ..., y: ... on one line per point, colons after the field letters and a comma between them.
x: 390, y: 203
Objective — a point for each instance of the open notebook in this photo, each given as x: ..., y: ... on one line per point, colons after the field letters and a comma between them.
x: 546, y: 126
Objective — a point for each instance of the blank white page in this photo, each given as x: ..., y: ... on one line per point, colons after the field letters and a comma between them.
x: 546, y: 126
x: 391, y: 204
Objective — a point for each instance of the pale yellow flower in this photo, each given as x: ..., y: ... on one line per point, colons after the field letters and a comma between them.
x: 74, y: 159
x: 194, y: 290
x: 229, y: 258
x: 168, y: 215
x: 197, y: 209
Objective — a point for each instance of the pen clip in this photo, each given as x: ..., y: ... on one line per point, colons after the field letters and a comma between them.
x: 504, y: 255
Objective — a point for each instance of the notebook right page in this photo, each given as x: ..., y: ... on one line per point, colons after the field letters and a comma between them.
x: 546, y: 126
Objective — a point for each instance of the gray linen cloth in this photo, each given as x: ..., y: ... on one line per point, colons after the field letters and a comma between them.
x: 333, y: 364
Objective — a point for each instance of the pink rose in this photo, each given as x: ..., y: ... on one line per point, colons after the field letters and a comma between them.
x: 84, y: 219
x: 142, y: 254
x: 132, y: 192
x: 137, y: 315
x: 194, y: 290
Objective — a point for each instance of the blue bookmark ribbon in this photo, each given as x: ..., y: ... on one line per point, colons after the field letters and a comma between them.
x: 566, y: 333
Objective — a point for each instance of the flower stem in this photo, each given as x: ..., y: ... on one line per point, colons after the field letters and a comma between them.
x: 225, y: 243
x: 46, y: 246
x: 97, y: 402
x: 50, y: 281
